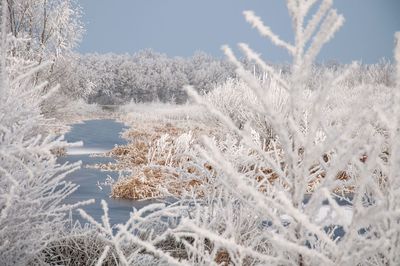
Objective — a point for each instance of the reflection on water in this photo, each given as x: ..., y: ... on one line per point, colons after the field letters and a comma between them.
x: 82, y: 151
x: 97, y: 136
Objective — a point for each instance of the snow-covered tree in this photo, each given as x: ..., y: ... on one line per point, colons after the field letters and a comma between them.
x: 52, y: 27
x: 32, y: 185
x: 47, y: 31
x: 150, y: 76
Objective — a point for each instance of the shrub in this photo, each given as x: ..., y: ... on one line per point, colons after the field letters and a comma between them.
x: 32, y: 185
x: 285, y: 223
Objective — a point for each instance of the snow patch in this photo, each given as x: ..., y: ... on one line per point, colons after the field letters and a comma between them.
x: 82, y: 151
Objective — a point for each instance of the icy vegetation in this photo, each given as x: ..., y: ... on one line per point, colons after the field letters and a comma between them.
x: 295, y: 165
x: 31, y: 182
x: 148, y: 76
x: 307, y: 173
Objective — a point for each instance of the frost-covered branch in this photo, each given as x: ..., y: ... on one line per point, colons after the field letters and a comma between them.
x: 266, y: 31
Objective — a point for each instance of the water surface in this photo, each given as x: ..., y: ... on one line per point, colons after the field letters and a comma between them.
x: 98, y: 136
x: 102, y: 135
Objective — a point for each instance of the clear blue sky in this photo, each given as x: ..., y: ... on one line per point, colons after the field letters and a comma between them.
x: 181, y: 27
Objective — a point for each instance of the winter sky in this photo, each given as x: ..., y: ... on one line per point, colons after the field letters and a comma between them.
x: 181, y: 27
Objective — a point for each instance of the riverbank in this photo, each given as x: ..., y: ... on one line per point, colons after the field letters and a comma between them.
x: 77, y: 112
x: 158, y: 160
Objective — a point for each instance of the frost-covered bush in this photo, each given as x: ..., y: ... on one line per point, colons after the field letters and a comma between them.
x: 145, y: 239
x: 32, y: 185
x: 282, y: 204
x: 235, y: 99
x: 77, y: 245
x: 31, y: 181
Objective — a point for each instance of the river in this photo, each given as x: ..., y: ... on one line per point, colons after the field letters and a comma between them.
x: 98, y: 136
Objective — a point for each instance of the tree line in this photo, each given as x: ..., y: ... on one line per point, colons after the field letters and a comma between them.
x: 146, y: 76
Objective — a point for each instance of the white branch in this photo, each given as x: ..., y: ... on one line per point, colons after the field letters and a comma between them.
x: 266, y: 31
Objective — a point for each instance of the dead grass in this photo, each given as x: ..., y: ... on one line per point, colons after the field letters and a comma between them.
x: 266, y: 176
x: 223, y: 258
x: 135, y: 188
x: 154, y: 182
x: 59, y: 151
x: 156, y: 168
x: 159, y: 171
